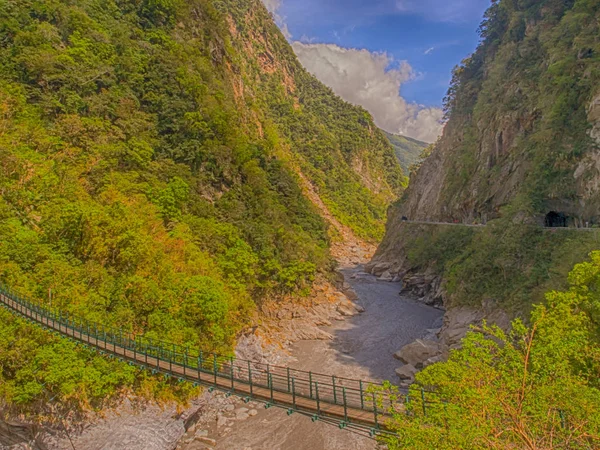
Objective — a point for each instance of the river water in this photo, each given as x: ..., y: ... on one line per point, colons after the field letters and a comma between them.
x: 363, y: 347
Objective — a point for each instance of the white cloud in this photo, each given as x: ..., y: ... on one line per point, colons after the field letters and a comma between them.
x: 272, y: 5
x: 365, y: 78
x: 429, y: 50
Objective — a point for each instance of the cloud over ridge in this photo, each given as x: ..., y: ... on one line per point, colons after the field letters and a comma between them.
x: 371, y: 80
x: 367, y: 79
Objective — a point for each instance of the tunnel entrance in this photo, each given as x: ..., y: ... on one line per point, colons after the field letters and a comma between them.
x: 555, y: 220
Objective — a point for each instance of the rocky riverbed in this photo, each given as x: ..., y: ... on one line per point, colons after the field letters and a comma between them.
x: 362, y: 346
x: 327, y: 333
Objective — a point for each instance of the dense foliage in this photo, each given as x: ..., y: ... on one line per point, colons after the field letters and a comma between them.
x: 149, y: 177
x: 535, y: 387
x: 528, y: 87
x: 513, y: 264
x: 516, y: 146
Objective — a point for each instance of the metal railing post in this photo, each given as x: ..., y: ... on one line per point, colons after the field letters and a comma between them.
x: 362, y: 401
x: 293, y: 393
x: 215, y: 366
x: 375, y: 409
x: 345, y: 405
x: 317, y: 395
x: 334, y: 390
x: 250, y: 379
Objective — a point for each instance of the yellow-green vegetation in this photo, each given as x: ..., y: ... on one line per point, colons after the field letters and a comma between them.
x: 148, y: 153
x: 512, y: 264
x: 535, y: 387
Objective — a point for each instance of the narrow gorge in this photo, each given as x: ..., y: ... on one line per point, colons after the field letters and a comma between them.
x: 187, y: 213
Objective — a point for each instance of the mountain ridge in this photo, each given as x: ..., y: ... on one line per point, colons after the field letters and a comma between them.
x: 408, y: 150
x: 519, y: 144
x: 152, y: 179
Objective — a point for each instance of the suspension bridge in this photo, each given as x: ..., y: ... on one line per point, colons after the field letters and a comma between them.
x: 357, y: 405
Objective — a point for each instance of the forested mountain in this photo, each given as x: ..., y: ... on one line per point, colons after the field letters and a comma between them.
x: 521, y: 147
x: 408, y: 150
x: 521, y: 142
x: 153, y: 155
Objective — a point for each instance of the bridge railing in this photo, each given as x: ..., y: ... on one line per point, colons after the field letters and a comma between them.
x: 198, y: 366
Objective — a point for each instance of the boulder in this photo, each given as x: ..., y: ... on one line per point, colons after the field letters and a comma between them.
x: 346, y: 310
x: 386, y: 276
x: 433, y: 360
x: 377, y: 269
x: 206, y: 440
x: 418, y: 352
x: 406, y: 372
x: 359, y: 308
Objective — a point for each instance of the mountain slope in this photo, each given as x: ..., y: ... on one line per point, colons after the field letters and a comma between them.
x: 521, y: 142
x: 407, y: 150
x: 152, y: 155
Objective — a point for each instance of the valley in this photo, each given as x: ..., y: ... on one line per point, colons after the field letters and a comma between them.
x: 174, y: 183
x: 362, y: 347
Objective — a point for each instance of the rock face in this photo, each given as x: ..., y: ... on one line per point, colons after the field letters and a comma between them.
x: 594, y: 118
x: 480, y: 165
x: 418, y: 352
x: 503, y: 159
x: 292, y: 319
x: 406, y: 373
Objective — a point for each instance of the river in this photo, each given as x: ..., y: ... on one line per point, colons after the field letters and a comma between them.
x: 362, y: 348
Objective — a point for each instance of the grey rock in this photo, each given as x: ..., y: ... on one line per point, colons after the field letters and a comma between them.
x: 386, y: 276
x: 377, y: 269
x: 406, y: 372
x: 221, y: 421
x: 206, y: 440
x: 346, y: 310
x: 418, y: 352
x: 433, y: 360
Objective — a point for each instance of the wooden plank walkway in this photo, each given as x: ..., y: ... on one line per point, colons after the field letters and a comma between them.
x: 345, y: 402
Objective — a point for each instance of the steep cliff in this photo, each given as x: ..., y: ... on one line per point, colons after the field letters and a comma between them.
x: 520, y: 144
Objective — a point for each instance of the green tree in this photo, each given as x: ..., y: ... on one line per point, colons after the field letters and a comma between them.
x: 537, y: 387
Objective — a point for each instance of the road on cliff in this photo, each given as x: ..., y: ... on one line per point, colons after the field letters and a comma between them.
x: 362, y: 347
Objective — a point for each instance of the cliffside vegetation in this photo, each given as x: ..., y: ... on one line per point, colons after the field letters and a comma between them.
x: 535, y: 387
x: 151, y: 154
x: 408, y: 150
x: 520, y: 142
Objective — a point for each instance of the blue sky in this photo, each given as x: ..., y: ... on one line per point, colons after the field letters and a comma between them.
x: 427, y: 38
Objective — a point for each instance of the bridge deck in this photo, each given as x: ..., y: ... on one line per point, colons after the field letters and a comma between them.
x: 350, y: 403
